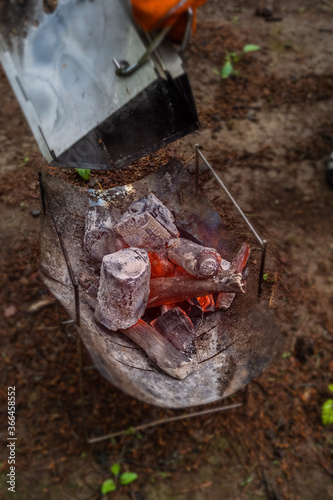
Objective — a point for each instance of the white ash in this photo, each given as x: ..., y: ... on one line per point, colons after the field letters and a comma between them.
x: 195, y: 259
x: 123, y: 289
x: 152, y: 205
x: 99, y: 237
x: 142, y: 231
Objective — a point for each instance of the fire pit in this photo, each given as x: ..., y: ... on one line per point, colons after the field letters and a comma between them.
x: 232, y: 346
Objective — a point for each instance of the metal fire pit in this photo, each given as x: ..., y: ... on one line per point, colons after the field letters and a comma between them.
x: 233, y: 346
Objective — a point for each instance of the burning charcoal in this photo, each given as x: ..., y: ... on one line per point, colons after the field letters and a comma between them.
x: 195, y: 259
x: 99, y: 237
x: 166, y: 307
x: 179, y: 288
x: 160, y: 350
x: 177, y: 327
x: 123, y: 289
x: 160, y: 267
x: 193, y: 312
x: 142, y: 231
x: 156, y: 209
x: 224, y: 300
x: 180, y: 271
x: 206, y: 303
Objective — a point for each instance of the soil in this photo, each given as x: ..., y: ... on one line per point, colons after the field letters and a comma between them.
x: 268, y: 132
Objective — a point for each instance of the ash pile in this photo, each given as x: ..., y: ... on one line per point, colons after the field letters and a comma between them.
x: 155, y: 286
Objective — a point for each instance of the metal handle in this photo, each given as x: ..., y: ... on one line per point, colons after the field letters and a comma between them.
x: 123, y: 68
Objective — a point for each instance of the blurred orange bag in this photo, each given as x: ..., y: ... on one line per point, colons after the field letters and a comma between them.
x: 156, y: 14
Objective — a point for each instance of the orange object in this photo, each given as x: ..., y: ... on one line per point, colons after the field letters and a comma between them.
x: 180, y: 271
x: 160, y: 267
x: 154, y: 14
x: 206, y: 302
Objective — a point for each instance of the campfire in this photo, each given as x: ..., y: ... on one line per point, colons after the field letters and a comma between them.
x: 145, y: 265
x: 155, y: 281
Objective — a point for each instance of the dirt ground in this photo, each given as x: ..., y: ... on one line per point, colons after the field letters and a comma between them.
x: 268, y: 132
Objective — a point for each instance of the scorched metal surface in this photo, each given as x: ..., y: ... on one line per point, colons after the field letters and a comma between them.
x: 232, y: 347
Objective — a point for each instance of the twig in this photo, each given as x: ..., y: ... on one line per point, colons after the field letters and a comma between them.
x: 188, y: 159
x: 164, y: 421
x: 197, y: 487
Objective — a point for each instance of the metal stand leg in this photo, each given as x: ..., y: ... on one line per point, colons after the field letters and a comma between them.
x: 263, y: 243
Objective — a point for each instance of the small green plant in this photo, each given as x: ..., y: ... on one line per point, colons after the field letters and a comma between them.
x: 232, y: 58
x: 24, y: 162
x: 123, y: 479
x: 85, y: 173
x: 327, y: 410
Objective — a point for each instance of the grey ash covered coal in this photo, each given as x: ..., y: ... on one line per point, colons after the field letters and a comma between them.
x: 147, y: 270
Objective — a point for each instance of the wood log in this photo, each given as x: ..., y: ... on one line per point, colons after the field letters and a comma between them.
x: 160, y: 350
x: 177, y: 327
x: 179, y: 288
x: 99, y: 237
x: 224, y: 300
x: 143, y: 231
x: 123, y: 289
x: 152, y: 205
x: 195, y: 259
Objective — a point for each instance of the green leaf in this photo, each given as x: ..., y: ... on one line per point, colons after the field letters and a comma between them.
x: 165, y: 474
x: 247, y: 481
x: 107, y: 486
x: 115, y: 469
x: 265, y: 277
x: 83, y: 454
x: 227, y: 70
x: 327, y: 412
x: 330, y: 387
x: 286, y: 355
x: 85, y: 173
x: 216, y: 72
x: 250, y: 48
x: 128, y: 477
x: 232, y: 55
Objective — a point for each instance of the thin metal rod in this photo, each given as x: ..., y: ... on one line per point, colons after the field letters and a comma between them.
x: 64, y: 251
x: 188, y: 31
x: 164, y: 421
x: 197, y: 168
x: 123, y: 69
x: 263, y: 243
x: 230, y: 196
x: 42, y: 192
x: 262, y: 266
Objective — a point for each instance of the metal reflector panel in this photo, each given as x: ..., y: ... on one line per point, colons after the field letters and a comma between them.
x: 81, y: 112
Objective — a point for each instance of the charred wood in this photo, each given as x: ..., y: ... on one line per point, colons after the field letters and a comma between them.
x: 160, y: 350
x: 99, y: 238
x: 195, y: 259
x: 224, y: 300
x: 142, y: 231
x: 123, y: 289
x: 160, y: 266
x: 179, y: 288
x: 152, y: 205
x: 177, y: 327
